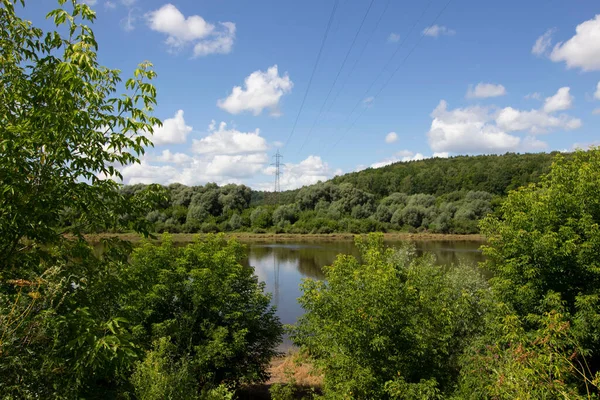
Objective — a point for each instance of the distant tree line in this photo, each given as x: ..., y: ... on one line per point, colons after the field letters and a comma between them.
x: 436, y: 195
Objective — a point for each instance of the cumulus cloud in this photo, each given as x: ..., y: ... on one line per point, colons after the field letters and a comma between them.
x: 393, y: 38
x: 309, y: 171
x: 534, y: 121
x: 583, y: 49
x: 438, y: 30
x: 543, y: 43
x: 562, y: 100
x: 484, y: 90
x: 172, y: 158
x: 404, y: 155
x: 485, y: 129
x: 224, y: 156
x: 467, y: 130
x: 407, y: 155
x: 222, y: 140
x: 597, y: 93
x: 261, y: 90
x: 391, y: 137
x: 174, y: 130
x: 205, y: 38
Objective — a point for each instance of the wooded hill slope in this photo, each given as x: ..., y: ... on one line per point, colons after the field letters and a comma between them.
x: 442, y: 195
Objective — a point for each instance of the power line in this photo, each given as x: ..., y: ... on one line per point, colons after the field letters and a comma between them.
x: 391, y: 76
x: 362, y: 51
x: 389, y: 61
x: 337, y: 75
x: 312, y: 75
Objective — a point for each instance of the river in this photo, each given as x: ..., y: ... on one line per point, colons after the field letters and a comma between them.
x: 282, y: 266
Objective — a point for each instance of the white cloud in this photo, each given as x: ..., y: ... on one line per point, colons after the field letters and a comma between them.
x: 391, y: 137
x: 261, y: 90
x: 393, y: 38
x: 89, y: 2
x: 484, y: 90
x: 173, y: 130
x: 597, y: 93
x: 225, y: 141
x: 534, y: 121
x: 467, y: 130
x: 204, y: 37
x: 404, y: 156
x: 542, y: 44
x: 562, y: 100
x: 309, y: 171
x: 172, y: 158
x: 437, y: 30
x: 110, y: 5
x: 583, y: 49
x: 238, y: 166
x: 443, y: 154
x: 534, y: 96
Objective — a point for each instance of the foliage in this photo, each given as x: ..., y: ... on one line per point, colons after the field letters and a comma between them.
x: 547, y: 236
x: 539, y: 363
x: 63, y: 130
x: 210, y: 306
x: 389, y: 321
x: 75, y: 320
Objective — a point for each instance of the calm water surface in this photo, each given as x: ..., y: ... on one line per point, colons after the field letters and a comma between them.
x: 282, y: 266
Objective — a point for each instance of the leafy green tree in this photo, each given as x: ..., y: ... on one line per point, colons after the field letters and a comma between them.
x: 286, y: 213
x: 64, y: 130
x: 261, y: 218
x: 389, y: 321
x: 210, y: 306
x: 547, y: 236
x: 545, y: 240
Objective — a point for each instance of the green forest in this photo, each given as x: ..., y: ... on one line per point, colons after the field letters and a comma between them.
x: 436, y: 195
x: 193, y: 322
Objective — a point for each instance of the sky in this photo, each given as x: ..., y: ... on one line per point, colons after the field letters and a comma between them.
x: 341, y: 85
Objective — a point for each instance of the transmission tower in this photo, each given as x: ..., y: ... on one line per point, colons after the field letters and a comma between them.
x: 277, y: 165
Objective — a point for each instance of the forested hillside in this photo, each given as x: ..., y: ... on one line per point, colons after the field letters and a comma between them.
x: 442, y: 195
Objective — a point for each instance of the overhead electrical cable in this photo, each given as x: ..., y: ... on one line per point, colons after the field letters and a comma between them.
x: 391, y: 76
x: 312, y: 75
x: 362, y: 51
x: 389, y: 61
x: 337, y: 75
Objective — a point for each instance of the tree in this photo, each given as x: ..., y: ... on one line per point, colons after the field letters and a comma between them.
x: 208, y: 305
x: 389, y: 321
x: 543, y: 248
x: 64, y: 130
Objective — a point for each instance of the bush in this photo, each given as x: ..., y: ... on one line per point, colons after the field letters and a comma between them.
x: 210, y: 306
x: 389, y: 320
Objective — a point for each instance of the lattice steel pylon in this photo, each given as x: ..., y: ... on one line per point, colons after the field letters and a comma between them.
x: 277, y: 165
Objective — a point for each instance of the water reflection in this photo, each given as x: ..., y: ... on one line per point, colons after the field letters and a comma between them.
x: 282, y: 266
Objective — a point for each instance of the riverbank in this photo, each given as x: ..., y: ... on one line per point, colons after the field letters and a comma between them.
x: 248, y: 237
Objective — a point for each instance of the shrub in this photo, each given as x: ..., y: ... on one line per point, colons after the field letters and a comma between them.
x: 209, y: 304
x: 389, y: 320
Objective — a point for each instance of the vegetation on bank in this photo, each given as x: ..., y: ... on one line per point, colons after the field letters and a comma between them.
x: 170, y: 322
x: 436, y: 195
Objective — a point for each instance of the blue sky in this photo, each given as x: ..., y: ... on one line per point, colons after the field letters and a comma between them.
x: 472, y: 77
